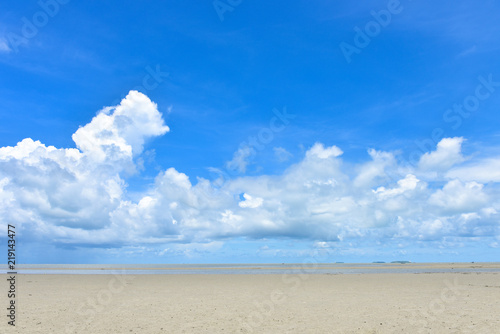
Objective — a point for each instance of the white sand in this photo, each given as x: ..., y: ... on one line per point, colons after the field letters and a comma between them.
x: 366, y: 303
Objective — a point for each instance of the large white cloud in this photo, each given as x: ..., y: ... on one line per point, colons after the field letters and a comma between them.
x: 79, y: 196
x: 78, y: 188
x: 118, y: 133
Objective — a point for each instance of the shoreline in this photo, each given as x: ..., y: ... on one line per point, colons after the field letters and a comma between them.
x: 249, y: 269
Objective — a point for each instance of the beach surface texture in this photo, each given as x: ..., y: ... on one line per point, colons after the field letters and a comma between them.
x: 295, y: 301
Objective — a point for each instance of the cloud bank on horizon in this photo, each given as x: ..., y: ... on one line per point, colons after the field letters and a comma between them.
x: 79, y: 196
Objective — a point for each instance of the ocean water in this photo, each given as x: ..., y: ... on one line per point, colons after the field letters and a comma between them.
x: 245, y: 269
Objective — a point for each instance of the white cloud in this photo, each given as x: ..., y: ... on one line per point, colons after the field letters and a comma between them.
x: 372, y: 171
x: 250, y: 202
x: 447, y: 154
x: 459, y: 197
x: 318, y: 150
x: 241, y: 159
x: 78, y: 188
x: 408, y: 183
x: 487, y: 170
x: 282, y: 154
x: 79, y: 196
x: 119, y: 133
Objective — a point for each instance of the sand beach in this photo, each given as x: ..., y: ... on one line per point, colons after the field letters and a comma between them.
x: 292, y: 302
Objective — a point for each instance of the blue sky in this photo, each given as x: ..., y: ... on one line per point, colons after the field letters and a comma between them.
x: 238, y: 131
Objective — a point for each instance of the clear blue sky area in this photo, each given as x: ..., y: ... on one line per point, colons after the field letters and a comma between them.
x: 250, y: 131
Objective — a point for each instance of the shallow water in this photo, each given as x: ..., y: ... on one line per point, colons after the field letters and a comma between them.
x: 246, y: 269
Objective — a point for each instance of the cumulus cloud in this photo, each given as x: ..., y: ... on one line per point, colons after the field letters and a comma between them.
x: 459, y: 197
x: 250, y: 202
x: 372, y: 171
x: 66, y: 190
x: 407, y: 184
x: 79, y: 195
x: 119, y: 133
x: 447, y: 154
x: 487, y: 170
x: 318, y: 150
